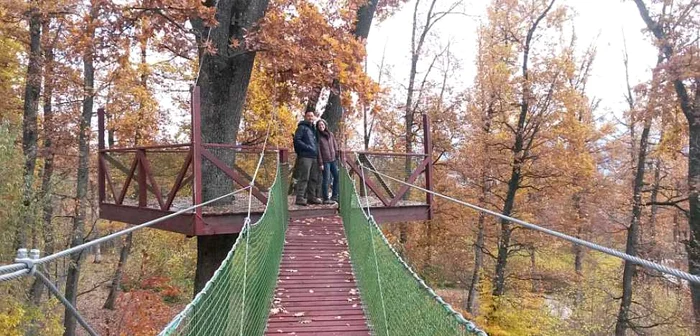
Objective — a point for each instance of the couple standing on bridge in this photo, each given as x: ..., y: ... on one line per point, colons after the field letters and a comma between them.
x: 317, y: 154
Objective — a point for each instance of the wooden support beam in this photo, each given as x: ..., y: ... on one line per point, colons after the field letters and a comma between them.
x: 233, y: 175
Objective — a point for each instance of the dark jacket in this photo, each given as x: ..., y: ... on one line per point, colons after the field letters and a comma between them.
x: 327, y: 147
x: 305, y: 141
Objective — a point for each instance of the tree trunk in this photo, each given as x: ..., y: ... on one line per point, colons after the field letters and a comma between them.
x: 124, y: 252
x: 81, y: 202
x: 333, y: 113
x: 32, y: 90
x: 650, y: 247
x: 693, y: 245
x: 211, y: 251
x: 691, y: 110
x: 578, y: 249
x: 504, y: 241
x: 623, y: 315
x: 47, y: 174
x: 472, y: 305
x: 533, y: 268
x: 519, y: 154
x: 223, y: 80
x: 110, y: 303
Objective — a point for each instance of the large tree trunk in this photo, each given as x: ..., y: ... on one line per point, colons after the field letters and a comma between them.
x: 333, y: 113
x: 81, y: 201
x: 223, y: 80
x: 32, y: 90
x: 211, y: 251
x: 693, y: 245
x: 632, y: 232
x: 691, y: 109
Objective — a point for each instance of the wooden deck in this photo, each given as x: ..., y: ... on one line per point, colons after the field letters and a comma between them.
x: 316, y: 292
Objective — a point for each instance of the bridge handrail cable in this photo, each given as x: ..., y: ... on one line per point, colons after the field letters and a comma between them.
x: 642, y: 262
x: 20, y: 269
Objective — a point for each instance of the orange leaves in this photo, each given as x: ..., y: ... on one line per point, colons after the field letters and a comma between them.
x: 306, y: 46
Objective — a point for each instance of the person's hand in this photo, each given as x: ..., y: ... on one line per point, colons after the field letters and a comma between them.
x: 321, y: 167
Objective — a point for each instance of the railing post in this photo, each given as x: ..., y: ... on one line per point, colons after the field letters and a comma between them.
x: 143, y: 184
x: 196, y: 139
x: 428, y: 150
x: 100, y: 147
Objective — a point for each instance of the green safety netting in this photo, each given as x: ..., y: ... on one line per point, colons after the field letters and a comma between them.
x: 396, y: 301
x: 237, y: 299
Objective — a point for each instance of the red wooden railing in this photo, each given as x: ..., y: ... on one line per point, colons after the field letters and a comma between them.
x: 380, y: 188
x: 141, y: 170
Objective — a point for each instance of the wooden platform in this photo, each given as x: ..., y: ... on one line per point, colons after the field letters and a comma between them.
x: 316, y: 292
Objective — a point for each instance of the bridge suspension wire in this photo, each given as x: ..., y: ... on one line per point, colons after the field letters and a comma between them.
x: 642, y: 262
x: 20, y: 269
x: 246, y: 222
x: 374, y: 252
x: 408, y: 309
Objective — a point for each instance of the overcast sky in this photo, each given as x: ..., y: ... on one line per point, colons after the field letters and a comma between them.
x: 596, y: 21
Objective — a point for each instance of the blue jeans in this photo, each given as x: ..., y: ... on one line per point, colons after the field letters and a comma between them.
x: 328, y: 169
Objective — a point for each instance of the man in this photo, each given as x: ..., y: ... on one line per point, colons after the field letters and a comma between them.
x: 307, y: 169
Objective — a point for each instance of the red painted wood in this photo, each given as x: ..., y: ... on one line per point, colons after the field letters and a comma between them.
x: 143, y: 185
x: 428, y: 149
x: 135, y: 215
x: 404, y: 188
x: 316, y: 291
x: 135, y: 148
x: 147, y: 171
x: 128, y: 180
x: 368, y: 182
x: 101, y: 169
x: 178, y: 181
x: 106, y: 175
x: 233, y: 175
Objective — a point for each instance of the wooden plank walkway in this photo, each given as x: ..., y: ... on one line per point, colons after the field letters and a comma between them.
x: 316, y: 292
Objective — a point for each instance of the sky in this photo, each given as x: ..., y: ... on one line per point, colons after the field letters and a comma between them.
x: 601, y: 22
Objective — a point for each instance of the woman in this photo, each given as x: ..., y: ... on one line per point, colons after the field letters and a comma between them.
x: 327, y: 160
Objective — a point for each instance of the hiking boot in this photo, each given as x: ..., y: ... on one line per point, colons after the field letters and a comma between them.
x: 314, y: 200
x: 329, y: 201
x: 300, y: 201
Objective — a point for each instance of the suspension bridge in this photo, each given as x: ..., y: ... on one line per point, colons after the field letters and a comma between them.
x: 291, y: 271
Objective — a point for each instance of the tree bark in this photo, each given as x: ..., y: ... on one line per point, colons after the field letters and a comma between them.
x: 691, y: 110
x: 211, y: 251
x: 333, y: 113
x: 632, y: 234
x: 223, y: 81
x: 48, y: 152
x: 519, y: 154
x: 110, y: 303
x: 81, y: 202
x: 32, y: 90
x: 472, y: 304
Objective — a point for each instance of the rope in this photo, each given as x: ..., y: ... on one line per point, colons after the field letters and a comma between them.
x: 374, y: 251
x: 643, y: 262
x: 246, y: 222
x: 100, y: 240
x: 468, y: 325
